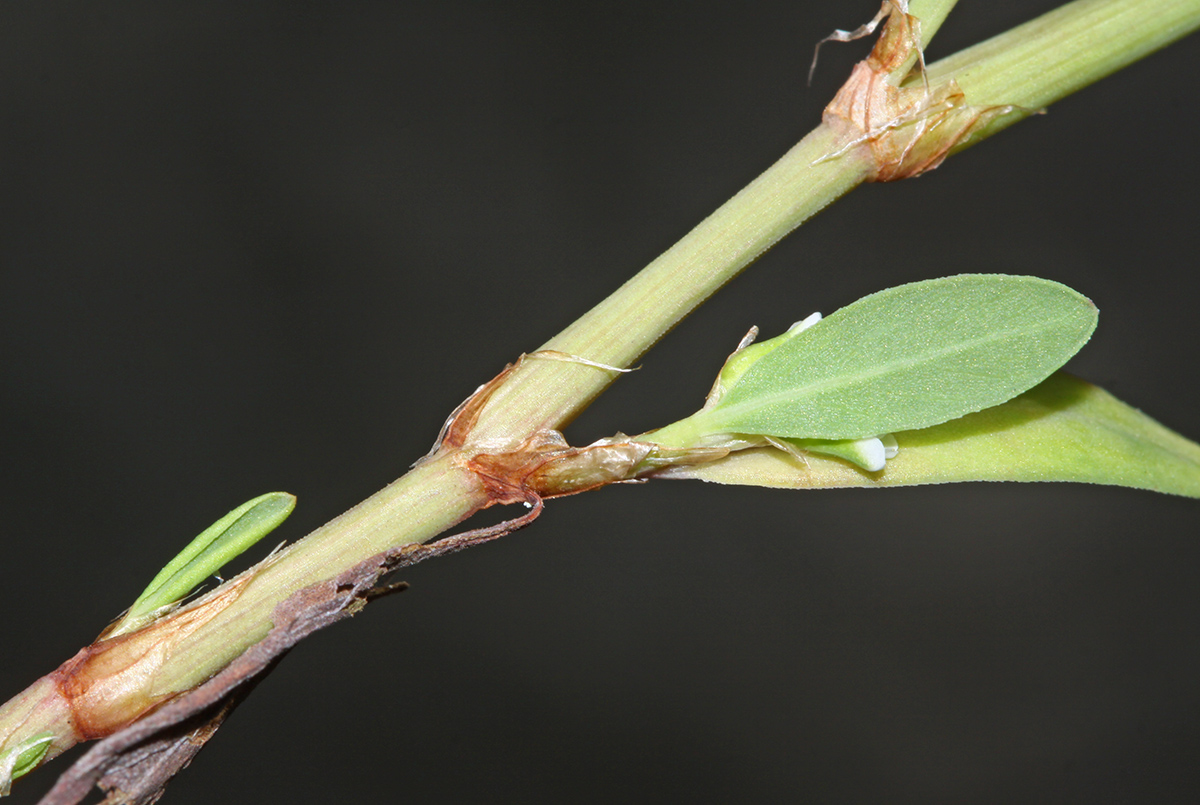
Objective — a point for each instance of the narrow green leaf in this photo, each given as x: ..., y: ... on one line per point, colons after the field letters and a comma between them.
x: 204, y: 556
x: 23, y: 758
x: 1063, y: 430
x: 908, y: 357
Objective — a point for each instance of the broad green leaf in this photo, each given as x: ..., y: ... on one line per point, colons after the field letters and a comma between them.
x: 1063, y: 430
x: 909, y: 357
x: 204, y: 556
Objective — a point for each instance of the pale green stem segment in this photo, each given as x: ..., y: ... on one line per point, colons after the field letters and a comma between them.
x: 428, y: 500
x: 1062, y: 430
x: 931, y: 14
x: 217, y: 545
x: 542, y: 394
x: 1061, y: 52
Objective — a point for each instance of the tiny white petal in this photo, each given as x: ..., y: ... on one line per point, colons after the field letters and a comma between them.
x: 801, y: 326
x: 890, y: 446
x: 871, y: 454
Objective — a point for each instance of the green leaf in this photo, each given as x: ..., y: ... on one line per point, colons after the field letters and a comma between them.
x: 1063, y: 430
x: 908, y: 357
x: 23, y: 758
x: 204, y: 556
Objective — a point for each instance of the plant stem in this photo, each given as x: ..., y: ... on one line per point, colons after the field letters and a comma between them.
x: 548, y: 394
x: 1030, y: 66
x: 1061, y: 52
x: 428, y: 500
x: 931, y: 13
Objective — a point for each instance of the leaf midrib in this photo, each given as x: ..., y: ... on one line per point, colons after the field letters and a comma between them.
x: 721, y: 414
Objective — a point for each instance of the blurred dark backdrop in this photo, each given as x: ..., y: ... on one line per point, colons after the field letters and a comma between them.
x: 269, y: 245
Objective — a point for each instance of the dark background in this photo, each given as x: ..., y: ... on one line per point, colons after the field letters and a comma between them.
x: 270, y: 245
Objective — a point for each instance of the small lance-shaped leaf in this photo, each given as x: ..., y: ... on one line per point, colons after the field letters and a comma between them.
x: 23, y: 758
x: 204, y: 556
x: 1062, y: 430
x: 908, y: 357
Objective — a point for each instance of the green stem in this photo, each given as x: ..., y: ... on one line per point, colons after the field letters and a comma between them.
x: 547, y: 394
x: 1061, y: 52
x: 428, y: 500
x: 931, y: 13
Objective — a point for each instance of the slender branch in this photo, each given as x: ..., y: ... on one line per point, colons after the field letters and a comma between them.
x: 1061, y: 52
x: 544, y: 394
x: 931, y: 14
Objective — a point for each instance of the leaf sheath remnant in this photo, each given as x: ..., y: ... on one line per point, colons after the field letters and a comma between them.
x: 905, y: 130
x: 544, y: 465
x: 110, y: 683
